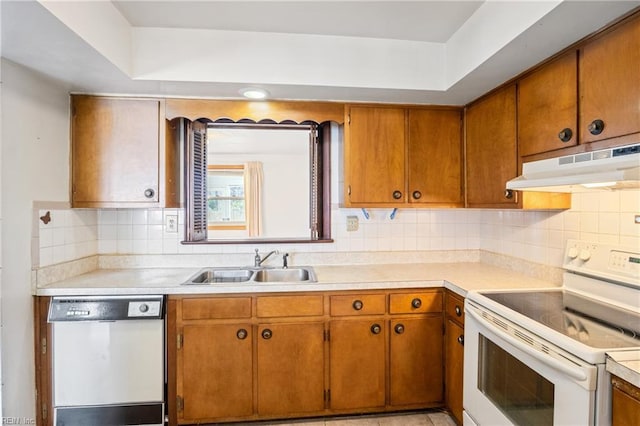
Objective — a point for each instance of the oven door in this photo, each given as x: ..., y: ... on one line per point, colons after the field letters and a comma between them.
x: 512, y: 377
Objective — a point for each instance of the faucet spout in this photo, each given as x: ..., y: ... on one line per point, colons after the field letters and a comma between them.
x: 257, y: 260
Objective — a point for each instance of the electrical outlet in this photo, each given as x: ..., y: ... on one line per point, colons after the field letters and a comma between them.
x: 352, y: 223
x: 171, y: 223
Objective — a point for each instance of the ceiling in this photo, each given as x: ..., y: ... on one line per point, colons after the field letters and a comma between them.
x: 427, y: 52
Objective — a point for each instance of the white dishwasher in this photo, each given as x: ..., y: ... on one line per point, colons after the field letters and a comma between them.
x: 108, y: 360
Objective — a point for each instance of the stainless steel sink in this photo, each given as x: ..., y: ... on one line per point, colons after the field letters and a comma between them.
x: 284, y: 275
x: 249, y: 275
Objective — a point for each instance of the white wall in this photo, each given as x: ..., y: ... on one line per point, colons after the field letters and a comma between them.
x: 35, y: 167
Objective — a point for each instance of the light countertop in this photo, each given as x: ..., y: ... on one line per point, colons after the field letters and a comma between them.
x: 626, y: 365
x: 459, y: 277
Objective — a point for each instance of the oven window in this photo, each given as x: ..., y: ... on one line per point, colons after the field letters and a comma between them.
x: 522, y: 395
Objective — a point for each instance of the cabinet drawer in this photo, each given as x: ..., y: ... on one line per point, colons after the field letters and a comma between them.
x: 216, y: 308
x: 454, y: 307
x: 290, y: 306
x: 357, y: 304
x: 415, y: 303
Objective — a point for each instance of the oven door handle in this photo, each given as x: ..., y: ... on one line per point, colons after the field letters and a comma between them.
x: 575, y: 373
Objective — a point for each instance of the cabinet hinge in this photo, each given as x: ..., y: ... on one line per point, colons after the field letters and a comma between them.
x: 43, y: 346
x: 349, y: 190
x: 179, y: 340
x: 179, y: 403
x: 327, y: 395
x: 45, y: 411
x: 327, y: 335
x: 349, y: 119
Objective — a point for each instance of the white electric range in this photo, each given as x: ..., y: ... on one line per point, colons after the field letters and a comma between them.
x: 537, y: 357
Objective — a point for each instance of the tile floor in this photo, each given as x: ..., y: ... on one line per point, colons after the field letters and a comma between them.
x: 424, y: 418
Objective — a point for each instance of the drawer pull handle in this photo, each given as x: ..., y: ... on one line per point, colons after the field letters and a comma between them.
x: 458, y: 311
x: 399, y: 329
x: 358, y: 305
x: 565, y: 135
x: 149, y: 193
x: 461, y: 339
x: 417, y: 195
x: 416, y: 303
x: 376, y: 329
x: 596, y: 127
x: 266, y: 334
x: 242, y: 334
x: 397, y: 195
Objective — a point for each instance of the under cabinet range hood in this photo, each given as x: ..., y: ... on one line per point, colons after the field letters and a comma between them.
x: 612, y: 168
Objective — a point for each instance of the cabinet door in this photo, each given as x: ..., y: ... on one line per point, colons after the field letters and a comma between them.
x: 357, y: 363
x: 548, y: 107
x: 215, y: 372
x: 115, y: 151
x: 609, y: 83
x: 491, y: 149
x: 454, y: 357
x: 625, y: 404
x: 375, y: 156
x: 435, y: 157
x: 290, y: 368
x: 416, y: 361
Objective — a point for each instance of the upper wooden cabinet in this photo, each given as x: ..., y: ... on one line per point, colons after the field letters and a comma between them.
x: 409, y: 157
x: 548, y: 107
x: 492, y: 157
x: 121, y: 156
x: 610, y: 84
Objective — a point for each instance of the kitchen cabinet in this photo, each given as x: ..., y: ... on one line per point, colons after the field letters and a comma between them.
x: 548, y: 107
x: 492, y: 156
x: 609, y: 87
x: 123, y: 153
x: 263, y: 356
x: 357, y: 349
x: 454, y: 354
x: 409, y: 157
x: 625, y: 404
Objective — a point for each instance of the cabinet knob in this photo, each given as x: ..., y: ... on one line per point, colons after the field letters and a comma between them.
x: 416, y: 195
x: 565, y: 135
x: 266, y: 334
x: 596, y: 127
x: 416, y: 303
x: 242, y: 334
x: 358, y: 305
x: 149, y: 192
x: 458, y: 311
x: 508, y: 193
x: 376, y: 328
x: 399, y: 329
x: 397, y: 195
x: 461, y: 339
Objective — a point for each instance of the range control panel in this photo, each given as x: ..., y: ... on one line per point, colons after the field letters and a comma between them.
x: 602, y: 260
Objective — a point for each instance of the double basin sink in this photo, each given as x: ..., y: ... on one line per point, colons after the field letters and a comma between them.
x: 252, y: 275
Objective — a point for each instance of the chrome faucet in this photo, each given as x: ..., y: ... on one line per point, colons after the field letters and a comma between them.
x: 257, y: 260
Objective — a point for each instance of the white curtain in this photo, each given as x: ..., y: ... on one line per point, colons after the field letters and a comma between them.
x: 253, y: 177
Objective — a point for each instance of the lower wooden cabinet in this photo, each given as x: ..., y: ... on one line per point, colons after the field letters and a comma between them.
x: 251, y: 357
x: 626, y: 403
x: 357, y: 363
x: 454, y: 354
x: 290, y: 363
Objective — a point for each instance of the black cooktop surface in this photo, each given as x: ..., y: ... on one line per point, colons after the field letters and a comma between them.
x: 588, y: 321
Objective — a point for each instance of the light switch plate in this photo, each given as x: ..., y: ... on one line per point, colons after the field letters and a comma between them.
x: 171, y: 223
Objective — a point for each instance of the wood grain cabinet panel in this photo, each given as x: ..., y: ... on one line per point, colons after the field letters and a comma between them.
x: 491, y: 149
x: 548, y: 107
x: 416, y: 361
x: 289, y: 306
x: 358, y: 304
x: 215, y: 372
x: 290, y: 368
x: 357, y: 364
x: 375, y: 155
x: 626, y: 403
x: 609, y: 83
x: 216, y: 308
x: 415, y: 303
x: 120, y: 154
x: 454, y: 353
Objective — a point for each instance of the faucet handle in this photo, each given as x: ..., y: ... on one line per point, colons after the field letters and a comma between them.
x: 284, y: 260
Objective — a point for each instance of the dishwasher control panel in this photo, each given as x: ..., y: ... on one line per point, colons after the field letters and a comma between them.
x: 106, y: 308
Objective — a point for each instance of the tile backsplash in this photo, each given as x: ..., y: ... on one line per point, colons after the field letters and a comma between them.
x: 537, y: 236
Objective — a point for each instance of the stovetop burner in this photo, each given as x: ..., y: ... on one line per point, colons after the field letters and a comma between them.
x: 585, y: 320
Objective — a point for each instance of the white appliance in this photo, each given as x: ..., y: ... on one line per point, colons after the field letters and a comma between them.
x: 537, y: 357
x: 612, y: 168
x: 108, y: 360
